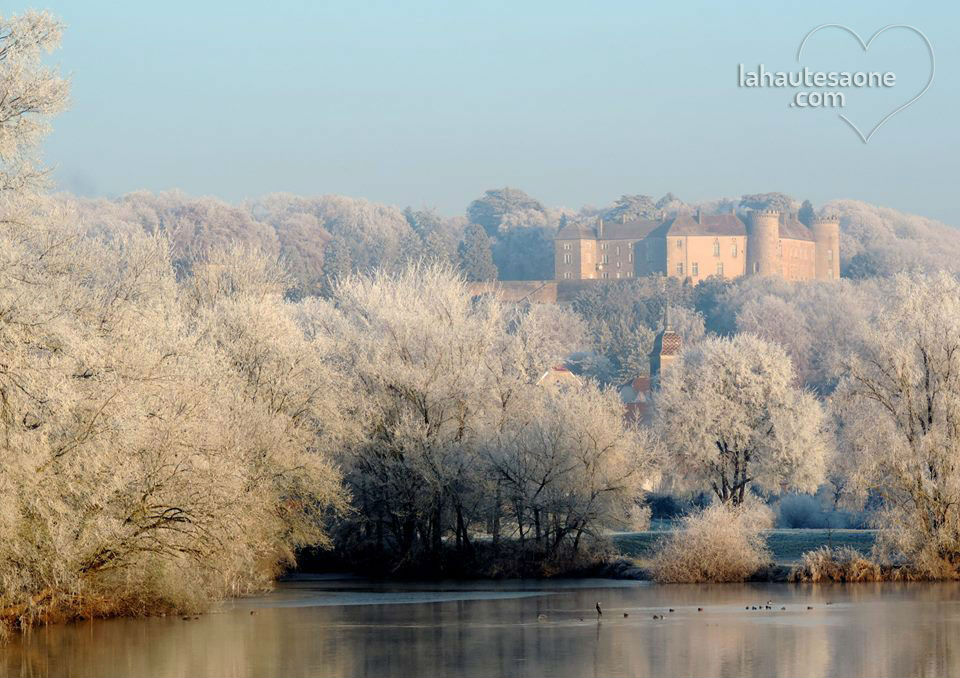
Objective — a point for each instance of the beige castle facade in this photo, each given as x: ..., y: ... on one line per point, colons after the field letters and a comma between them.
x: 697, y: 246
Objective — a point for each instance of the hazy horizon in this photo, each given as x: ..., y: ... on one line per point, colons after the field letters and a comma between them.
x: 430, y: 105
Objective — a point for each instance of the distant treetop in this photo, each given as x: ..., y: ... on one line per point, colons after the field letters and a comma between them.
x: 767, y: 201
x: 490, y: 210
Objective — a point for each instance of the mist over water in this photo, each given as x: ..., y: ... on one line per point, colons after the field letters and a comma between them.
x: 327, y: 627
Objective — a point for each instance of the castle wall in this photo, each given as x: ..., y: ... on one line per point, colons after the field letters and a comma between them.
x: 575, y: 259
x: 797, y: 259
x: 616, y: 258
x: 650, y: 256
x: 676, y: 250
x: 534, y: 291
x: 826, y: 234
x: 701, y: 256
x: 588, y: 259
x: 763, y: 240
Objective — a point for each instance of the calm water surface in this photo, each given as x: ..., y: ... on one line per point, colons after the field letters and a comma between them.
x: 353, y: 627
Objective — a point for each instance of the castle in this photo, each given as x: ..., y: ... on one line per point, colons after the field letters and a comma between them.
x: 697, y: 246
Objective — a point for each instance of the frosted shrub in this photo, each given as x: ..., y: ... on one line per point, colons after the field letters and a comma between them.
x: 840, y: 564
x: 723, y: 543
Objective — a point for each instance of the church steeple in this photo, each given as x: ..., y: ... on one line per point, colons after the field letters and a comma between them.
x: 666, y: 347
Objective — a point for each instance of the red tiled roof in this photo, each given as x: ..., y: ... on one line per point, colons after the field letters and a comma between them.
x: 612, y: 230
x: 708, y: 224
x: 575, y: 231
x: 670, y: 343
x: 631, y: 230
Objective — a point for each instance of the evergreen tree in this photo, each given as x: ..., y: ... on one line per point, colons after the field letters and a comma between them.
x: 806, y: 214
x: 476, y: 257
x: 337, y: 262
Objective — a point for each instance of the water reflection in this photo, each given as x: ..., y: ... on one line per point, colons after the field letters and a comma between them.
x: 335, y: 628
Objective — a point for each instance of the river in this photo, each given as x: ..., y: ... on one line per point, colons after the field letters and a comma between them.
x: 330, y: 626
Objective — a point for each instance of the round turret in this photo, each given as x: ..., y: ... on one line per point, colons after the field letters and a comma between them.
x: 763, y: 241
x: 826, y: 236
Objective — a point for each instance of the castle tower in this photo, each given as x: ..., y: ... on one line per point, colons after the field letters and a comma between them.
x: 763, y: 239
x: 826, y: 237
x: 666, y: 348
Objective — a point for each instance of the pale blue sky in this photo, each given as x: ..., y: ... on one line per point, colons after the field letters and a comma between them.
x: 432, y: 103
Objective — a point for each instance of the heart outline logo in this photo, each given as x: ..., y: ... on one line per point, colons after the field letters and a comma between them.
x: 866, y: 46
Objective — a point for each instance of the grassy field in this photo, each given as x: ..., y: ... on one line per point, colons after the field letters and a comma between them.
x: 787, y: 545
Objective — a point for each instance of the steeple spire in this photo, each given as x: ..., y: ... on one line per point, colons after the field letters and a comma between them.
x: 666, y: 347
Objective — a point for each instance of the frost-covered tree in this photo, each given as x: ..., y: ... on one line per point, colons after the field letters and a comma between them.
x: 731, y: 418
x: 524, y: 254
x: 880, y: 241
x: 767, y: 201
x: 31, y: 93
x: 900, y: 413
x: 570, y: 467
x: 496, y: 205
x: 631, y: 208
x: 163, y: 446
x: 448, y: 401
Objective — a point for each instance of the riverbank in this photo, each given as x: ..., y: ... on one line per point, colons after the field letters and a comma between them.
x: 786, y: 545
x: 627, y: 557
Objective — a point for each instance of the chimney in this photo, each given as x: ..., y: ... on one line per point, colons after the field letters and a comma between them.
x: 699, y: 216
x: 600, y: 227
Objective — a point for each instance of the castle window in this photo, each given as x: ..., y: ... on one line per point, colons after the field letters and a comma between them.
x: 568, y: 275
x: 679, y: 243
x: 603, y: 245
x: 605, y: 259
x: 566, y: 245
x: 694, y: 269
x: 629, y: 274
x: 716, y: 248
x: 720, y: 268
x: 733, y: 249
x: 568, y: 258
x: 830, y: 254
x: 618, y: 250
x: 756, y: 267
x: 606, y: 275
x: 630, y: 257
x: 680, y: 268
x: 618, y: 264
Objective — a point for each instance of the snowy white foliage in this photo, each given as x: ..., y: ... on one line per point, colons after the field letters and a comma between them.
x: 732, y: 418
x: 899, y: 409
